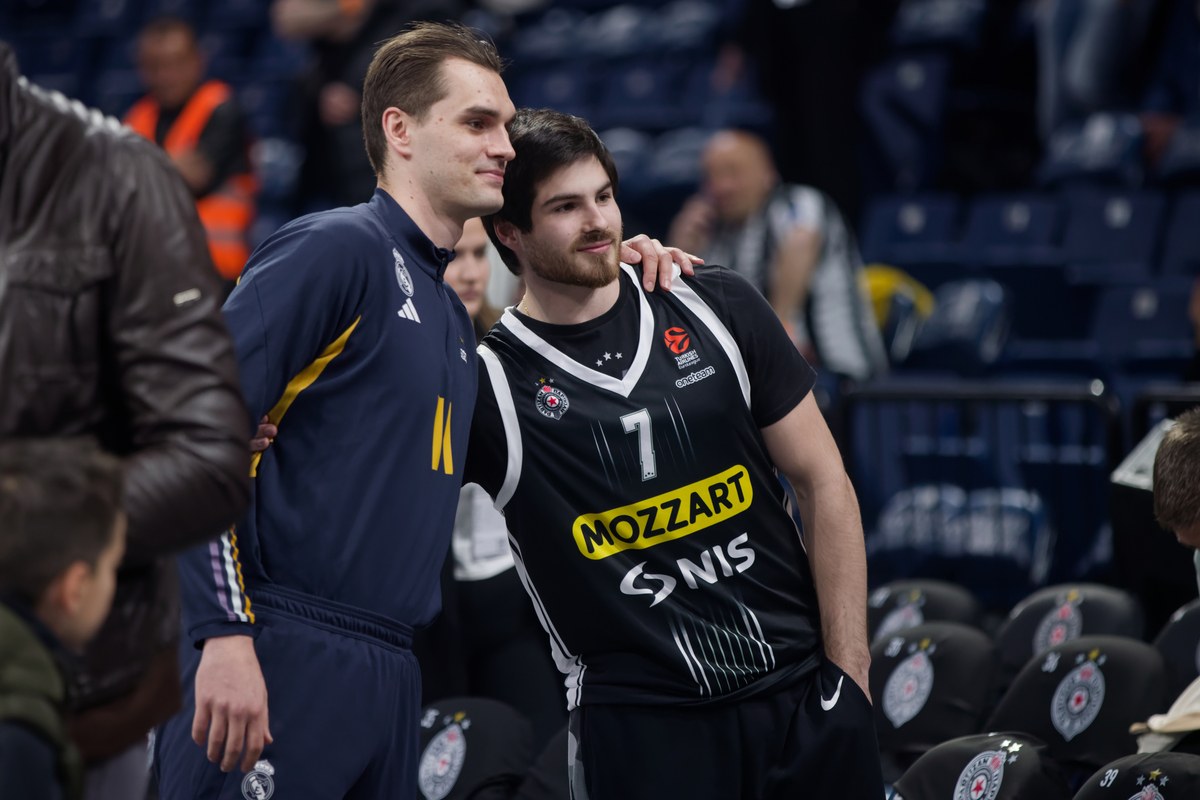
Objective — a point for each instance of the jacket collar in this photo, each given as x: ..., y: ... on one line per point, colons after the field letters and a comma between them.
x: 431, y: 258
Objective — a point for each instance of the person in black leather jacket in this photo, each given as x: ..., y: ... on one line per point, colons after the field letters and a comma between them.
x: 110, y: 326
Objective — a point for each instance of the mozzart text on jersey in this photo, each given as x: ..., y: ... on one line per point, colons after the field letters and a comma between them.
x: 665, y: 517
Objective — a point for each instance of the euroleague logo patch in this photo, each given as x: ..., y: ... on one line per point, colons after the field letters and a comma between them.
x: 677, y: 340
x: 1078, y: 698
x: 551, y: 402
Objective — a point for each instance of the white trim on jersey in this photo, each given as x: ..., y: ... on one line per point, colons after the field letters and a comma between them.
x: 705, y: 314
x: 570, y: 665
x: 621, y: 386
x: 512, y: 428
x: 231, y: 578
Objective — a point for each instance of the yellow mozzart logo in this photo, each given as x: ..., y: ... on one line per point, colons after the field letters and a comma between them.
x: 668, y: 516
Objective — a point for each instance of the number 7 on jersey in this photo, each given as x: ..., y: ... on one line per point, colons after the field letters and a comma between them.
x: 640, y: 420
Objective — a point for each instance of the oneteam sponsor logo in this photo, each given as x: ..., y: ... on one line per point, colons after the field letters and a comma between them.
x: 665, y: 517
x: 698, y: 375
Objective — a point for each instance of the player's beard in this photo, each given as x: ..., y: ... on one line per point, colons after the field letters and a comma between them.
x: 574, y: 268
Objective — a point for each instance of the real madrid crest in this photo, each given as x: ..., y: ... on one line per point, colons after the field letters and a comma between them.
x: 1062, y: 624
x: 981, y: 779
x: 908, y: 687
x: 402, y: 276
x: 1078, y: 698
x: 907, y: 614
x: 442, y: 762
x: 259, y: 783
x: 551, y: 402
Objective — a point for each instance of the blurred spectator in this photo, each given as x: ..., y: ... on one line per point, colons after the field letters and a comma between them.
x: 344, y: 36
x: 200, y: 126
x: 792, y: 243
x: 62, y: 535
x: 110, y: 326
x: 503, y: 644
x: 1085, y: 48
x: 1177, y: 482
x: 1174, y: 91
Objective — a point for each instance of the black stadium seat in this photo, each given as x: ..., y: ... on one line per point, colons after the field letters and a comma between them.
x: 1080, y: 698
x: 1148, y: 776
x: 1179, y: 643
x: 995, y: 766
x: 929, y: 684
x: 1057, y: 614
x: 906, y: 604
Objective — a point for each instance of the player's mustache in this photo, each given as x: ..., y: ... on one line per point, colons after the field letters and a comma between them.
x: 595, y: 237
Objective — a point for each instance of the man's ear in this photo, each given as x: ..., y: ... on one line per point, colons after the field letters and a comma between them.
x: 508, y: 235
x: 397, y: 129
x: 65, y: 593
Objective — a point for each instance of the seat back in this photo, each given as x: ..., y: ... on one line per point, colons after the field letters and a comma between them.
x: 1080, y: 697
x: 996, y: 766
x: 1012, y: 229
x: 930, y: 683
x: 1147, y: 776
x: 1179, y: 643
x: 904, y: 604
x: 1059, y: 614
x: 1181, y: 244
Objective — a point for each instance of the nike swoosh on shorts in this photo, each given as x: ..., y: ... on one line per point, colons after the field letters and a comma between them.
x: 827, y: 705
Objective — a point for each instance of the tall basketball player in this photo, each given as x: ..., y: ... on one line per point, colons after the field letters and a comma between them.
x: 632, y: 441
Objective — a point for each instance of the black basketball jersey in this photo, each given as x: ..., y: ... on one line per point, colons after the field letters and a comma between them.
x: 645, y: 515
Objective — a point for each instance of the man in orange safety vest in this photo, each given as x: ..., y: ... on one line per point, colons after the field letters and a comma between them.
x: 200, y: 126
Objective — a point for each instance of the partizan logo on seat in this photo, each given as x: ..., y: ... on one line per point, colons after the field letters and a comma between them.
x: 910, y: 684
x: 1079, y: 696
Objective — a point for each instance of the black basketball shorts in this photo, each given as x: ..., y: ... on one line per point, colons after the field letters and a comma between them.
x: 815, y: 738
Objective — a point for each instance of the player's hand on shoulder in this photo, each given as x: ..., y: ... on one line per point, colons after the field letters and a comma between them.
x: 656, y: 259
x: 263, y: 436
x: 231, y: 703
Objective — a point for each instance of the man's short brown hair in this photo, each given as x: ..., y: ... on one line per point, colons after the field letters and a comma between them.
x: 544, y: 141
x: 1177, y: 474
x: 406, y: 73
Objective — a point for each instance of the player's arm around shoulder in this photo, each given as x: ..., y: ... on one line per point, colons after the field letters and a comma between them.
x: 803, y: 449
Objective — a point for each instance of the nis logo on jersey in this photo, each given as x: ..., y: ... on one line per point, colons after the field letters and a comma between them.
x: 665, y: 517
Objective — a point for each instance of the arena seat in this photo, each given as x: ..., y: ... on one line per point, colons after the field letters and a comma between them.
x: 1104, y: 148
x: 619, y: 32
x: 1179, y: 643
x: 1141, y: 777
x: 912, y: 230
x: 1111, y: 235
x: 551, y: 37
x: 1009, y: 229
x: 1181, y: 243
x: 231, y: 14
x: 1081, y: 696
x: 938, y: 23
x: 567, y: 89
x: 996, y: 766
x: 107, y: 17
x: 641, y: 95
x: 904, y: 604
x: 930, y: 683
x: 473, y: 747
x: 1059, y: 614
x: 1180, y: 164
x: 1146, y: 329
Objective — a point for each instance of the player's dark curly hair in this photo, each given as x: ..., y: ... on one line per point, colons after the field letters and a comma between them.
x: 545, y: 141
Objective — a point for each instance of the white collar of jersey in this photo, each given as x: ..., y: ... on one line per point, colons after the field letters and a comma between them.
x: 621, y: 386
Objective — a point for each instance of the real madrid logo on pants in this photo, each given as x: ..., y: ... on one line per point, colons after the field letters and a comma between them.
x: 981, y: 779
x: 1077, y: 700
x: 259, y: 783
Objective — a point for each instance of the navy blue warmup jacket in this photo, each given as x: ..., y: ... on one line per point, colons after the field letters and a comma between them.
x: 348, y: 338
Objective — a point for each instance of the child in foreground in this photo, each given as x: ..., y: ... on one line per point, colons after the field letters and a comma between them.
x: 62, y: 537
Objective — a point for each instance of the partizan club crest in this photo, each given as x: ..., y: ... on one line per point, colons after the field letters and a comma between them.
x: 981, y: 779
x: 908, y: 687
x: 442, y: 762
x: 907, y: 614
x: 551, y: 402
x: 1061, y: 624
x: 1078, y: 699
